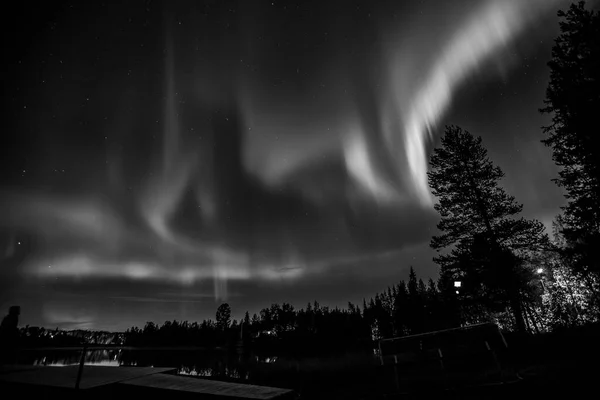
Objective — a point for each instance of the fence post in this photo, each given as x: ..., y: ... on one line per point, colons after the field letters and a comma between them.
x: 397, y: 373
x: 444, y: 374
x: 80, y: 371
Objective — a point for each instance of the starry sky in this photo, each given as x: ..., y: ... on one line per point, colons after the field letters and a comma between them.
x: 161, y: 158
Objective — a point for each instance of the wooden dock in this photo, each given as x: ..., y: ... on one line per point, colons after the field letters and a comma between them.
x: 66, y: 377
x: 215, y: 389
x: 102, y: 381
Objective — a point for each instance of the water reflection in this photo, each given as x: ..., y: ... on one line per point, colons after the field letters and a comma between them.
x: 61, y: 358
x: 250, y: 368
x: 201, y: 363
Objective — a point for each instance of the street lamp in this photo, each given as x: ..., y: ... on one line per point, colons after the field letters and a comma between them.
x: 457, y: 285
x: 540, y: 271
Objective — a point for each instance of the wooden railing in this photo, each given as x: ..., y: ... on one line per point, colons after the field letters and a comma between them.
x: 445, y: 359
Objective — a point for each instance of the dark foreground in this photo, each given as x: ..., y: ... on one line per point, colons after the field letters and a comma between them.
x: 100, y: 382
x: 554, y: 365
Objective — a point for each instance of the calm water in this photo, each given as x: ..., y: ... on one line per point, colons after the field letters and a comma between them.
x: 308, y: 373
x: 214, y: 363
x: 222, y: 365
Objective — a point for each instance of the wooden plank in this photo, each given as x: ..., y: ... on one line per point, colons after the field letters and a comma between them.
x: 207, y: 387
x: 93, y: 376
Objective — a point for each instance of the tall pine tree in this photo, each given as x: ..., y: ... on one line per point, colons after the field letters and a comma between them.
x: 478, y: 222
x: 573, y: 99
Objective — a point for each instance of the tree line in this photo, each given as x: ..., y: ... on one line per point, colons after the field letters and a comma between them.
x: 406, y: 308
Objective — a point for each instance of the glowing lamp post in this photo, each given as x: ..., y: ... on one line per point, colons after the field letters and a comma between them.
x: 540, y: 271
x: 457, y: 285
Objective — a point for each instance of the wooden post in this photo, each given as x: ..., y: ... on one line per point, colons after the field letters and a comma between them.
x: 80, y: 371
x: 496, y: 362
x: 441, y: 358
x: 396, y: 373
x: 502, y: 337
x: 444, y: 375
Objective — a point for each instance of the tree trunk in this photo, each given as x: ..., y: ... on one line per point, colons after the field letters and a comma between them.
x: 517, y: 309
x: 534, y: 317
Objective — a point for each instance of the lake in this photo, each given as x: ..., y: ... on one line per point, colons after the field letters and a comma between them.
x: 190, y: 361
x: 233, y: 365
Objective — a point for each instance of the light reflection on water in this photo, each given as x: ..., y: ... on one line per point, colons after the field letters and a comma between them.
x: 195, y: 363
x: 105, y: 363
x: 61, y: 358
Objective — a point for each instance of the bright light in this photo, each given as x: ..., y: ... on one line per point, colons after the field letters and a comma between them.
x: 540, y: 270
x: 457, y: 292
x: 457, y: 284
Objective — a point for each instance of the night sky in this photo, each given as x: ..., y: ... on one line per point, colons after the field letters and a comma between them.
x: 159, y: 160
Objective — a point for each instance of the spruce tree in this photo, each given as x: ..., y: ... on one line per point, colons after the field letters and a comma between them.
x: 487, y: 243
x: 573, y: 100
